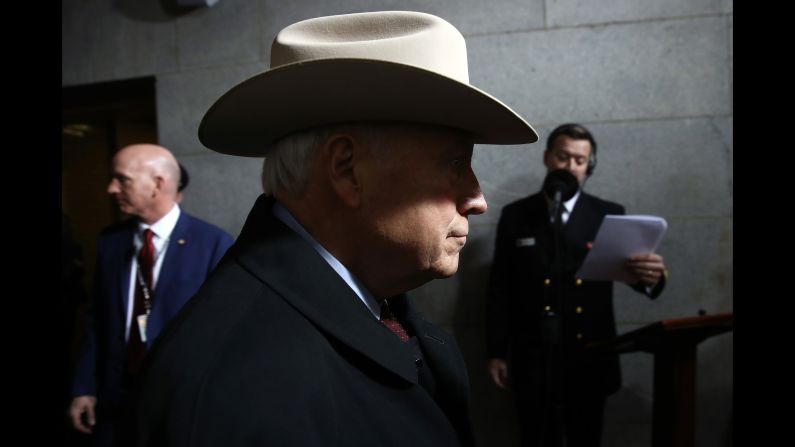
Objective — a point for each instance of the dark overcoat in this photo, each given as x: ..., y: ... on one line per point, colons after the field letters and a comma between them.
x: 277, y: 350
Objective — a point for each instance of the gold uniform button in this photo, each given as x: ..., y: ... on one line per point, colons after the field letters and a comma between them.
x: 579, y: 336
x: 579, y: 281
x: 547, y: 282
x: 547, y: 308
x: 578, y: 310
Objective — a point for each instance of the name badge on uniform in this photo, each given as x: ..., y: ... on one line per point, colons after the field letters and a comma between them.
x: 526, y: 242
x: 142, y: 326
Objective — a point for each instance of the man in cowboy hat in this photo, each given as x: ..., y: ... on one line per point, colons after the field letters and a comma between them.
x: 304, y: 334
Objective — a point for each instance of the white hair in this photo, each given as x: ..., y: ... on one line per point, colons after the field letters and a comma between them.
x: 285, y: 169
x: 287, y: 165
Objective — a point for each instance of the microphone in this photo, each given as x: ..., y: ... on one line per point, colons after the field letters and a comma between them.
x: 560, y: 185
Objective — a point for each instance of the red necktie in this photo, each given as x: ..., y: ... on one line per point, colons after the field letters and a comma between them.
x: 136, y: 348
x: 389, y: 320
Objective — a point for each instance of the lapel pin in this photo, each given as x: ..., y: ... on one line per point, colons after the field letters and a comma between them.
x: 181, y: 242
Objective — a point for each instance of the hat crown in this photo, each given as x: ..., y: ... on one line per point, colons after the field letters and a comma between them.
x: 404, y: 37
x: 389, y: 66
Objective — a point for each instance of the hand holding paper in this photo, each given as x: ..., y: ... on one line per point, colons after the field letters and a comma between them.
x: 619, y: 239
x: 646, y: 269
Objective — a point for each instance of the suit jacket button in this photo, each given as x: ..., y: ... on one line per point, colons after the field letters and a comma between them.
x: 547, y: 282
x: 579, y: 281
x: 418, y: 363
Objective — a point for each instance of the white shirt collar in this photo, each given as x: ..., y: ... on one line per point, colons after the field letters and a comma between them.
x: 163, y: 227
x: 568, y: 205
x: 367, y: 298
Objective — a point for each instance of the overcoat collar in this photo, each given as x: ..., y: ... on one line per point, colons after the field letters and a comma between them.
x: 279, y: 257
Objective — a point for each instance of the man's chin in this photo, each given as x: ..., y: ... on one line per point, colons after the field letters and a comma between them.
x: 448, y: 269
x: 126, y: 211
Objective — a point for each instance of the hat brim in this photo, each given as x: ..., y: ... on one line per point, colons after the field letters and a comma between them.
x: 250, y: 117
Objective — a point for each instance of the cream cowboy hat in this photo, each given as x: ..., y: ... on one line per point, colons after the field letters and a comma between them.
x: 374, y: 66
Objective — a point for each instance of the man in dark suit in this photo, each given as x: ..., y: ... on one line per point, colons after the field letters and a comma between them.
x: 128, y: 312
x: 542, y: 319
x: 304, y: 335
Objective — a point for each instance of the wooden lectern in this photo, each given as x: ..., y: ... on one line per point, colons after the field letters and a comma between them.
x: 673, y: 343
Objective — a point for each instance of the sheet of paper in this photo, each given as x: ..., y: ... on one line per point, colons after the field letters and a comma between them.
x: 619, y: 238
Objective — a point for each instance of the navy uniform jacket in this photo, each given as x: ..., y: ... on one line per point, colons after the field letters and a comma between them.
x: 277, y: 350
x: 521, y: 294
x: 194, y: 249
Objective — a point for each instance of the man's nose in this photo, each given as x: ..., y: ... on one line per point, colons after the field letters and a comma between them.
x: 473, y: 201
x: 475, y: 204
x: 571, y: 165
x: 113, y: 187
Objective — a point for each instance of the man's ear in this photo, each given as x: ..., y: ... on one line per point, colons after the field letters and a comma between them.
x: 160, y: 183
x: 341, y: 153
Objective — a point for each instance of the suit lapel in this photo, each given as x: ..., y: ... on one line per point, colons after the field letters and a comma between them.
x: 579, y: 230
x: 172, y: 260
x: 274, y: 253
x: 536, y: 216
x: 123, y: 245
x: 579, y: 219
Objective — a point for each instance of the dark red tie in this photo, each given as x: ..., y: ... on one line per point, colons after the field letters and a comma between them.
x: 389, y: 320
x: 136, y: 348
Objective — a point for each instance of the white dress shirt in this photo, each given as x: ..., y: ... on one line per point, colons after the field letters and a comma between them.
x: 568, y: 206
x: 161, y: 230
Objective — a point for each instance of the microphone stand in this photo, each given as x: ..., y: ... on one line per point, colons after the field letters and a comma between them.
x: 561, y: 185
x: 552, y: 331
